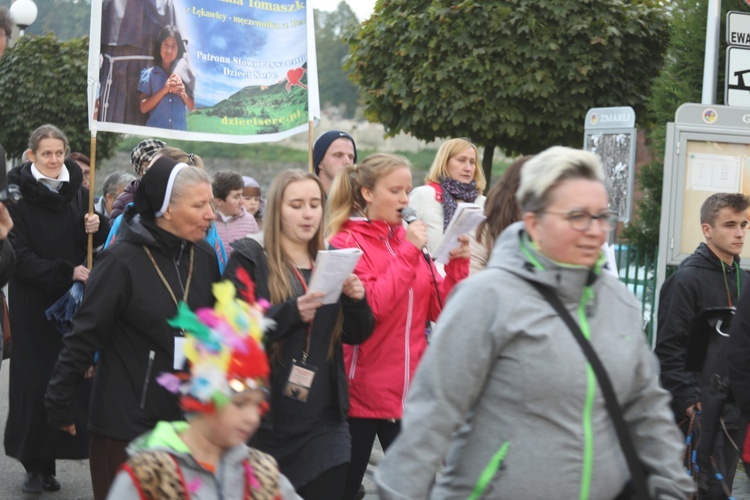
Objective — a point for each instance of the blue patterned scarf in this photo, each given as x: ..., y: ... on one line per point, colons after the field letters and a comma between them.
x: 454, y: 190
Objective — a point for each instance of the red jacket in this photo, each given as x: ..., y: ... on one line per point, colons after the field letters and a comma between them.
x: 401, y: 292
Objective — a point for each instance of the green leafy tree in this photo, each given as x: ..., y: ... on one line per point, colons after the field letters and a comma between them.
x: 680, y: 81
x: 43, y: 80
x: 516, y: 74
x: 335, y: 86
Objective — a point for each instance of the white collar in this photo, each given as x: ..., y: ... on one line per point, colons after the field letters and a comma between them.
x: 51, y: 182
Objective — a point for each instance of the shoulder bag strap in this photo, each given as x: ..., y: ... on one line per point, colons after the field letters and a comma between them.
x: 637, y: 475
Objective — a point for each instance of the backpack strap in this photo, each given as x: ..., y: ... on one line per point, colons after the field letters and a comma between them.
x: 438, y: 190
x: 261, y: 476
x: 157, y: 476
x: 638, y: 479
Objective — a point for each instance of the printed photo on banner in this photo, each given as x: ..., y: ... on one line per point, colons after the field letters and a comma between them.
x: 219, y: 70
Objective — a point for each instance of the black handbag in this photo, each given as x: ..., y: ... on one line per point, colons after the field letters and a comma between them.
x: 637, y: 486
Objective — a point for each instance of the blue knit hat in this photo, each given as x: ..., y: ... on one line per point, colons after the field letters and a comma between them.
x: 324, y: 142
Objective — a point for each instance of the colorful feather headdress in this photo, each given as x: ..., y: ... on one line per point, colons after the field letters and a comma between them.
x: 224, y: 348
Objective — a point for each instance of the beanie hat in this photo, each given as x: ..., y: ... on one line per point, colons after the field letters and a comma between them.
x: 155, y: 189
x: 144, y: 151
x: 224, y: 348
x: 250, y: 182
x: 324, y: 142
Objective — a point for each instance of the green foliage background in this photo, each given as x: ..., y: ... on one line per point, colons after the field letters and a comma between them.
x: 43, y: 80
x: 332, y: 51
x: 514, y: 74
x: 65, y: 18
x: 680, y: 81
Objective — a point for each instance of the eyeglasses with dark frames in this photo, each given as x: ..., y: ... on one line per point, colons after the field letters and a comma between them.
x: 581, y: 220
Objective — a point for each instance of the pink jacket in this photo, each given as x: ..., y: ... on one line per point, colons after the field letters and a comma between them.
x: 401, y: 292
x: 235, y: 228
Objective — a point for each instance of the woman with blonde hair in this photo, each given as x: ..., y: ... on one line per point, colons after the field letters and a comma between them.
x: 404, y: 290
x: 454, y: 178
x: 306, y: 429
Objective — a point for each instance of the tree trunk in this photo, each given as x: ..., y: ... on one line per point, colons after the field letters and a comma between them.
x: 489, y: 151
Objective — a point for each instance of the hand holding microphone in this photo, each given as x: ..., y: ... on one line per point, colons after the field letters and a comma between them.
x: 416, y: 231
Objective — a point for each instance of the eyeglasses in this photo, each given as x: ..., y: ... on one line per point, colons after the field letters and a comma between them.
x: 581, y: 221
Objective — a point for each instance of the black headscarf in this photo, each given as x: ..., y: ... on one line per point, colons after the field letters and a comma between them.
x: 155, y: 189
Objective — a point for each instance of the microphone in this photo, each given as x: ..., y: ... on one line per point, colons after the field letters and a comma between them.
x: 409, y: 215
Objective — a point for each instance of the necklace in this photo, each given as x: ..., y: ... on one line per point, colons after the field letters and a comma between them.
x: 164, y: 280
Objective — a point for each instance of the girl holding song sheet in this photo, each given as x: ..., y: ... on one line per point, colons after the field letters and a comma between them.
x: 306, y: 429
x: 403, y: 288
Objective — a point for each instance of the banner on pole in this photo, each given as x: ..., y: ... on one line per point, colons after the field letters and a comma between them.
x: 237, y: 71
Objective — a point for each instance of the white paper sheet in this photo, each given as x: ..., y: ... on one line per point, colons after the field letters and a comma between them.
x: 466, y: 218
x: 331, y: 269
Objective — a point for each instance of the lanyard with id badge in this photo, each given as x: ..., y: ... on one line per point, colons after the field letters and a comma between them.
x: 179, y: 335
x: 301, y: 374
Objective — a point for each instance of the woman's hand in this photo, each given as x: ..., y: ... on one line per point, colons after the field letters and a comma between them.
x: 81, y: 273
x: 353, y: 288
x: 70, y: 429
x: 307, y: 304
x: 416, y: 233
x: 463, y: 251
x: 91, y: 222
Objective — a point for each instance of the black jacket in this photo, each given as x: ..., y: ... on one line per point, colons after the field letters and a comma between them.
x: 49, y: 240
x: 698, y: 284
x: 123, y: 316
x: 739, y: 355
x: 358, y: 323
x: 7, y: 256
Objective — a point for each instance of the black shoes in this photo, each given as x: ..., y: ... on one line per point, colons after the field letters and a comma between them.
x: 35, y: 483
x: 49, y: 483
x: 32, y: 484
x: 361, y: 492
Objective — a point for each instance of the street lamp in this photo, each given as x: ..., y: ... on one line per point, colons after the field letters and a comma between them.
x: 23, y: 13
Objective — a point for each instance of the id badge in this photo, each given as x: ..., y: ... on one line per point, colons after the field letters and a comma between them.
x: 299, y: 382
x: 179, y: 353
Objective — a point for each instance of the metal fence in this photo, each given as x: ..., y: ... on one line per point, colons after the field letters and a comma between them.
x: 637, y: 270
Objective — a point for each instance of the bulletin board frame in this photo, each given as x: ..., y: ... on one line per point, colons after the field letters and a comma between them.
x: 707, y: 151
x: 610, y: 133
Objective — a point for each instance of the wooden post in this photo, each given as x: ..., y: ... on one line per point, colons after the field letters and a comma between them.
x: 310, y: 127
x: 92, y: 184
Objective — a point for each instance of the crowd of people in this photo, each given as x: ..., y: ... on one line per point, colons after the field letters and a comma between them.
x: 470, y: 383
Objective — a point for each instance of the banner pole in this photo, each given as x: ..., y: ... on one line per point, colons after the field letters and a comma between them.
x: 310, y: 126
x: 92, y: 87
x: 92, y: 183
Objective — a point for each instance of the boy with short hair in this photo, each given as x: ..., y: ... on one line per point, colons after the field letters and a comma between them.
x: 233, y: 222
x: 223, y: 396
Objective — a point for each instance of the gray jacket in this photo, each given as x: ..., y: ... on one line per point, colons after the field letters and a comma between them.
x: 227, y: 483
x: 504, y: 396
